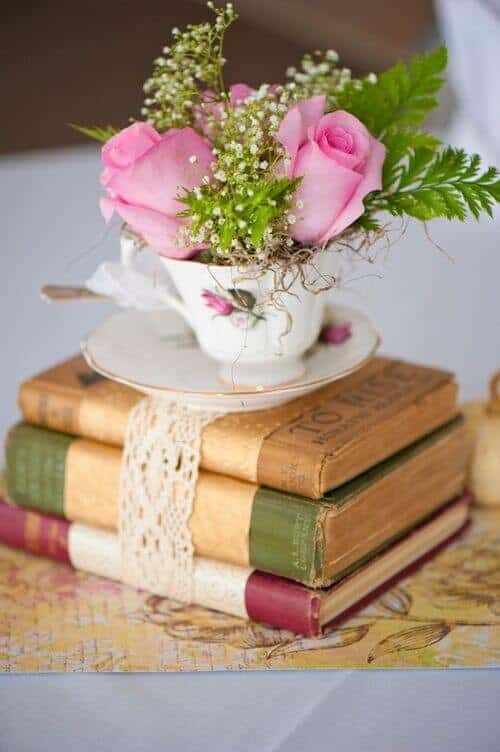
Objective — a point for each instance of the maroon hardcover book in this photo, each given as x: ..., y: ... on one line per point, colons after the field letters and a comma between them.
x: 273, y: 600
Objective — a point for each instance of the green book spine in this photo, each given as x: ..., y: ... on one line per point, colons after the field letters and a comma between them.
x: 285, y: 535
x: 36, y: 468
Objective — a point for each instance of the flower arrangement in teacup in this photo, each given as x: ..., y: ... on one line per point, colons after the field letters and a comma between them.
x: 269, y: 184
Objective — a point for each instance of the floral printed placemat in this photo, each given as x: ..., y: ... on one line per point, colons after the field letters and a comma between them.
x: 446, y: 615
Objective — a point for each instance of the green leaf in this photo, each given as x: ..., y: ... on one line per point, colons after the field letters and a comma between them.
x: 367, y: 221
x: 96, y: 132
x: 266, y: 202
x: 427, y: 184
x: 243, y: 298
x: 403, y: 95
x: 401, y: 144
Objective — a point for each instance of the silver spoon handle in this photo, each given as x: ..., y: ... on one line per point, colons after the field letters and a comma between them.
x: 66, y: 294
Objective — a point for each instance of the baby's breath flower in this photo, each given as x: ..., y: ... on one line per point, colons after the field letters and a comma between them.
x: 191, y: 64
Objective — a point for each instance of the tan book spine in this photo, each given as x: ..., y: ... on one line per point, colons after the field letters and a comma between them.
x: 306, y: 447
x: 367, y: 420
x: 72, y: 398
x: 221, y: 512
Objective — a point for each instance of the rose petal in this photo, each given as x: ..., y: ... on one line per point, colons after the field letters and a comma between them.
x: 372, y: 181
x: 311, y: 109
x: 129, y: 144
x: 240, y: 92
x: 157, y: 179
x: 292, y: 132
x: 352, y: 126
x: 343, y: 158
x: 158, y: 230
x: 325, y: 189
x: 107, y: 206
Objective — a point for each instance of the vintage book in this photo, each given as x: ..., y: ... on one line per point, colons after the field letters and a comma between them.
x: 310, y: 541
x: 307, y: 447
x: 240, y: 591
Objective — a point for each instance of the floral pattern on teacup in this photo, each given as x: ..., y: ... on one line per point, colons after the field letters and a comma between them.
x: 336, y: 334
x: 239, y: 306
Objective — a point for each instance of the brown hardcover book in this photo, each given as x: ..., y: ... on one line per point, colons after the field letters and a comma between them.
x: 307, y: 447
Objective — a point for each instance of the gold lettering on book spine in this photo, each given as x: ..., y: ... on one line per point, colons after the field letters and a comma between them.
x: 294, y: 447
x: 298, y: 454
x: 233, y: 444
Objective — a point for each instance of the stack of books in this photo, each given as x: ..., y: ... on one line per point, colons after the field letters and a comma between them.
x: 301, y: 511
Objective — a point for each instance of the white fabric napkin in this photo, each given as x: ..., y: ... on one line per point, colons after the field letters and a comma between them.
x: 142, y: 286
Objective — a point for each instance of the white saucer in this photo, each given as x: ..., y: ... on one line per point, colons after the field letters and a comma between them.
x: 155, y: 353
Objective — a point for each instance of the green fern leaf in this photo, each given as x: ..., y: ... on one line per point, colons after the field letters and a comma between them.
x: 98, y: 133
x: 449, y: 184
x: 403, y: 95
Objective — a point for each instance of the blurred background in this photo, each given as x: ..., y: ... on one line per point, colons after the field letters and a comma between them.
x: 85, y: 62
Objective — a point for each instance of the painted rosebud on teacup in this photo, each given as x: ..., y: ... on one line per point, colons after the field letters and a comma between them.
x: 221, y: 305
x: 144, y: 175
x: 339, y: 163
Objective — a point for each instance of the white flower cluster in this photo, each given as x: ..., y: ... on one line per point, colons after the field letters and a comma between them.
x: 192, y: 63
x: 319, y: 74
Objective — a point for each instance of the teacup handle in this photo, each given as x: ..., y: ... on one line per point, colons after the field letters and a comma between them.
x: 130, y: 250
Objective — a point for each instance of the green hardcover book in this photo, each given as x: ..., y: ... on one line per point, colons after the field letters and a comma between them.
x: 313, y: 541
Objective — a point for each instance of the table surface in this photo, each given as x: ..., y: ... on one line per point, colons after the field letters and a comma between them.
x: 429, y: 308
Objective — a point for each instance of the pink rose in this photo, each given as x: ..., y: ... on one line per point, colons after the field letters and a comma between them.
x: 144, y: 173
x: 339, y: 163
x: 223, y: 306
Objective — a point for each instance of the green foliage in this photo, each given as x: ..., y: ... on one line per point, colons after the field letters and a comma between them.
x: 96, y: 132
x: 403, y: 95
x: 404, y: 144
x: 243, y: 298
x: 420, y: 179
x: 238, y: 220
x: 431, y: 184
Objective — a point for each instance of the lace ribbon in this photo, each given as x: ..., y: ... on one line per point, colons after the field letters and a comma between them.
x: 157, y: 490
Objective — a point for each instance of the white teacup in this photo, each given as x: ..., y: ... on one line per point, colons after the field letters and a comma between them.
x: 256, y: 342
